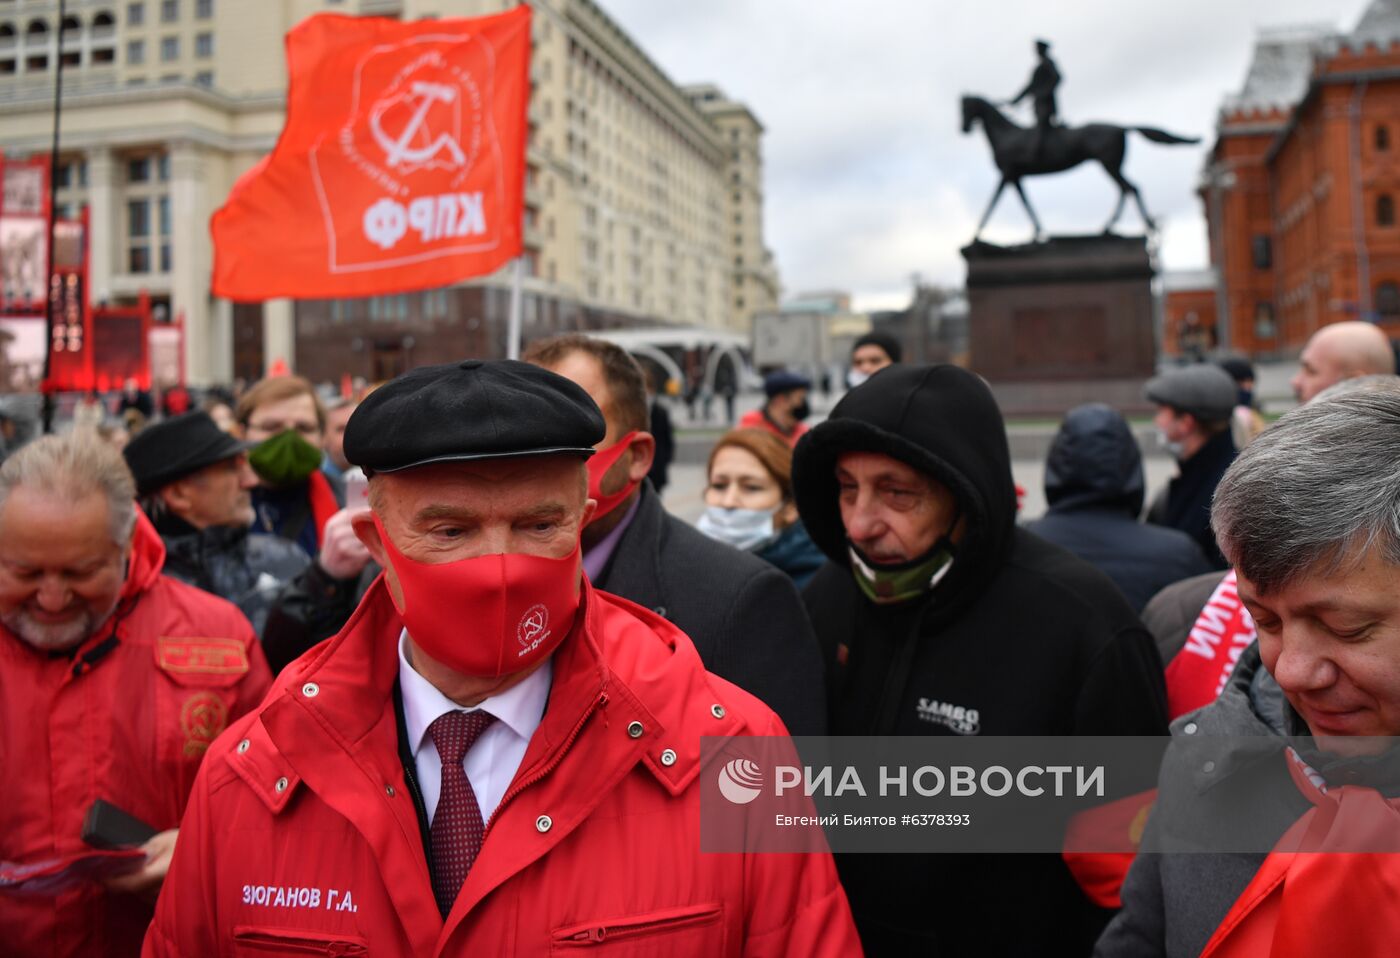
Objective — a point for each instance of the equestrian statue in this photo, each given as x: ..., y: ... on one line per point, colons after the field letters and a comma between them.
x: 1049, y: 147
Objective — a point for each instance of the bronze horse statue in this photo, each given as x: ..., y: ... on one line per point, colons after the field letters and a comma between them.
x: 1062, y: 148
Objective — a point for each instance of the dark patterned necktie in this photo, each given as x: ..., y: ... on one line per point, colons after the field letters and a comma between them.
x: 457, y: 826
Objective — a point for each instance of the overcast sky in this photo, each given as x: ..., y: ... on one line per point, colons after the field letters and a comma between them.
x: 868, y: 178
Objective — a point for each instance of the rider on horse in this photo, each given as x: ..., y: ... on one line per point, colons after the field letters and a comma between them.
x: 1041, y: 89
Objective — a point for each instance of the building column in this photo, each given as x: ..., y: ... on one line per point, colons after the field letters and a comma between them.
x: 221, y: 339
x: 104, y: 242
x: 279, y: 332
x: 189, y: 259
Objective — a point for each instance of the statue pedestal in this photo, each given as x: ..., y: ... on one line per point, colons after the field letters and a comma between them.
x: 1062, y: 322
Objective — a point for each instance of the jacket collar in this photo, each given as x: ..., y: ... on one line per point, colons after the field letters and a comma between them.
x: 632, y: 570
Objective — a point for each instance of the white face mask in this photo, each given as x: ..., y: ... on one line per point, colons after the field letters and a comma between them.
x: 855, y: 377
x: 747, y: 529
x: 1174, y: 449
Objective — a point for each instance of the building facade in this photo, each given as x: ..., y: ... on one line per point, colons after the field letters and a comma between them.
x: 1301, y: 186
x: 643, y: 199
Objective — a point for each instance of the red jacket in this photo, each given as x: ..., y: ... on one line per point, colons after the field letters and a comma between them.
x: 131, y: 727
x: 302, y: 835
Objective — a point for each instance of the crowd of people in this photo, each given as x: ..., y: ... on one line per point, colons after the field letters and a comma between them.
x: 427, y: 669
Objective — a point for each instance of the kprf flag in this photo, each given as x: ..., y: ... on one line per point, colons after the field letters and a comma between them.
x: 401, y: 165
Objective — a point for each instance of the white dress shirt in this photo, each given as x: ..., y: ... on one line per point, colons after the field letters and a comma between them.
x: 494, y: 758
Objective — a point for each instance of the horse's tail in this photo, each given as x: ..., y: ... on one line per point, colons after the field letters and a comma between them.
x: 1161, y: 136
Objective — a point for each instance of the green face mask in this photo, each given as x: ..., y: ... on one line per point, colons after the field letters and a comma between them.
x: 888, y: 584
x: 284, y: 460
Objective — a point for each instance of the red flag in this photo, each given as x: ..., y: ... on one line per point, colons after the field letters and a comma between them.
x: 401, y: 165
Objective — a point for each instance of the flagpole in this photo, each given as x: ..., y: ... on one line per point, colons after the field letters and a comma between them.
x: 51, y: 301
x: 516, y: 306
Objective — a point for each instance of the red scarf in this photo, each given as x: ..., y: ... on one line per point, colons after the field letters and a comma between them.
x: 1198, y: 673
x: 1315, y: 894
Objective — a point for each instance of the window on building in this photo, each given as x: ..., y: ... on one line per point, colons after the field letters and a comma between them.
x: 135, y: 52
x: 8, y: 66
x: 1262, y: 251
x: 163, y: 167
x: 135, y: 14
x: 1388, y: 299
x: 1382, y: 137
x: 7, y: 33
x: 1385, y: 210
x: 72, y: 58
x: 169, y: 48
x: 204, y: 9
x: 204, y: 78
x: 102, y: 55
x: 36, y: 63
x: 138, y: 170
x: 36, y: 31
x: 169, y: 11
x: 204, y: 45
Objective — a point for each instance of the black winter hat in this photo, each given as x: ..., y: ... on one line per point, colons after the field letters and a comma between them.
x: 168, y: 451
x: 477, y: 409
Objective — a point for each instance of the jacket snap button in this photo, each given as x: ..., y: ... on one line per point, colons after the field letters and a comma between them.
x: 543, y: 824
x: 635, y: 730
x: 668, y: 757
x: 1208, y: 767
x: 389, y: 790
x: 310, y: 690
x: 281, y: 785
x: 1189, y: 728
x: 243, y: 746
x: 717, y: 710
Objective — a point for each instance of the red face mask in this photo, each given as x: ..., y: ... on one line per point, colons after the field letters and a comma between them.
x: 598, y: 465
x: 490, y: 615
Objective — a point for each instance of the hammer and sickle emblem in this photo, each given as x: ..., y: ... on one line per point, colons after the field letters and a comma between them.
x: 533, y: 624
x: 202, y: 718
x: 398, y: 150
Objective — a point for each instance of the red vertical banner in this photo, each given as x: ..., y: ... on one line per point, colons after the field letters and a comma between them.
x: 401, y: 165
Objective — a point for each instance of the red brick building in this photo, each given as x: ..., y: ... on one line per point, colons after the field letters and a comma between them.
x: 1301, y: 187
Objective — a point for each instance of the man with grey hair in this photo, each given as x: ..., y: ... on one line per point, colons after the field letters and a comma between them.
x: 1308, y: 517
x: 114, y: 679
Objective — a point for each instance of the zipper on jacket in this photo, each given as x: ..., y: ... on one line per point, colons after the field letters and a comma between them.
x: 519, y: 787
x: 283, y: 943
x: 623, y: 929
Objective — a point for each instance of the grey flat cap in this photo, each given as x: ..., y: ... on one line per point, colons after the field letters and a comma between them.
x: 1204, y: 390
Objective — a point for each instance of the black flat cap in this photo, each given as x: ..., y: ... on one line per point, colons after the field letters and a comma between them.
x: 1204, y: 390
x: 784, y: 381
x: 170, y: 450
x: 476, y: 409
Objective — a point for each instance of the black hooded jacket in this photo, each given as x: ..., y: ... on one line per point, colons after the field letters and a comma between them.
x: 1094, y: 485
x: 1186, y: 505
x: 1019, y: 633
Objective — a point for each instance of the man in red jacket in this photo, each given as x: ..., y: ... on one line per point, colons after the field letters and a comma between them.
x: 492, y: 758
x: 114, y: 680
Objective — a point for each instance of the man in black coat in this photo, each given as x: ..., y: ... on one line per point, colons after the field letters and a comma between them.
x: 744, y: 616
x: 938, y: 616
x: 194, y: 481
x: 1094, y: 485
x: 1194, y: 405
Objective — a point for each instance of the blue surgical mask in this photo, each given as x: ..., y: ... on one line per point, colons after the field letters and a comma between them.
x: 746, y: 529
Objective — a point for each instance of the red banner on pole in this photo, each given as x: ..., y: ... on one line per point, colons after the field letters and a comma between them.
x: 401, y: 165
